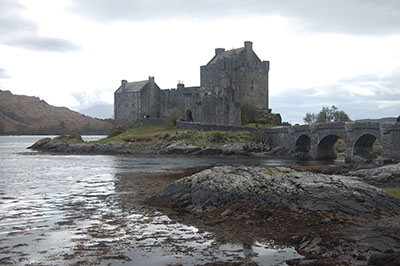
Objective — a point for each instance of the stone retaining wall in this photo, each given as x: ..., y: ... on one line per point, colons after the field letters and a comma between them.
x: 209, y: 127
x: 148, y: 122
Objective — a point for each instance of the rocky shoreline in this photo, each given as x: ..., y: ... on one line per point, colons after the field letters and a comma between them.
x: 75, y: 144
x: 330, y: 219
x: 344, y: 218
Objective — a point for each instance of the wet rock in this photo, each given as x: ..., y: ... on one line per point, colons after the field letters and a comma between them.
x: 57, y: 144
x: 385, y: 176
x: 385, y: 259
x: 278, y: 151
x: 72, y: 143
x: 181, y: 148
x: 207, y: 151
x: 233, y: 149
x: 331, y: 219
x: 209, y: 189
x: 40, y: 143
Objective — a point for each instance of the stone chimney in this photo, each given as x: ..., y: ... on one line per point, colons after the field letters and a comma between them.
x: 123, y: 82
x: 219, y: 51
x: 180, y: 85
x: 151, y: 79
x: 248, y: 46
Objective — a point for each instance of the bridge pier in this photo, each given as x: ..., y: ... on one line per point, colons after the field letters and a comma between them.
x: 390, y: 141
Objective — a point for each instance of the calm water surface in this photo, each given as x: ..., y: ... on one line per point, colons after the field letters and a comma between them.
x: 66, y: 210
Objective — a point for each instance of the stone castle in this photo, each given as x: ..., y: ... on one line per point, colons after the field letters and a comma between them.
x: 231, y: 78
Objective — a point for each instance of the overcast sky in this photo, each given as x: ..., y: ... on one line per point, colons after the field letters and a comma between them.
x: 74, y: 53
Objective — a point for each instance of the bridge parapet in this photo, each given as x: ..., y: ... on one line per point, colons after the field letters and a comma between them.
x: 301, y: 129
x: 363, y: 125
x: 324, y: 126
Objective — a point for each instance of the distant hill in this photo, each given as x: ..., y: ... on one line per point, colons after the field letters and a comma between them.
x: 385, y: 119
x: 29, y: 115
x: 101, y: 111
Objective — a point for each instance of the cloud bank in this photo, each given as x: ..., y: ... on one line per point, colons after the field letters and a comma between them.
x: 364, y: 17
x: 17, y: 31
x: 360, y: 97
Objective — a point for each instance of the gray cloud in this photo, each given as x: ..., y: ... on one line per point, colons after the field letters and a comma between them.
x: 375, y: 97
x: 3, y: 73
x: 39, y: 43
x: 91, y: 105
x: 369, y: 17
x: 17, y: 31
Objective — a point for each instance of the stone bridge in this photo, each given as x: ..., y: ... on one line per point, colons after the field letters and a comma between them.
x: 317, y: 141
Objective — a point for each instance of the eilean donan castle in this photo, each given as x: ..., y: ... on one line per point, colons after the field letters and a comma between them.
x: 231, y: 78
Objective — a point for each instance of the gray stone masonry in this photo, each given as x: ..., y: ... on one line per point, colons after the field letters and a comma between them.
x: 230, y: 79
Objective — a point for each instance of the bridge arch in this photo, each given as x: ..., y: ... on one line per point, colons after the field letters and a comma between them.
x: 303, y: 147
x: 326, y: 147
x: 363, y: 146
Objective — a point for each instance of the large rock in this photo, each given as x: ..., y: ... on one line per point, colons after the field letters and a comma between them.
x: 211, y: 188
x: 181, y: 148
x: 385, y: 176
x: 57, y: 144
x: 40, y: 143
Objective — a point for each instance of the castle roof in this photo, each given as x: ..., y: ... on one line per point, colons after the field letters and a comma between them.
x: 227, y: 53
x: 132, y: 86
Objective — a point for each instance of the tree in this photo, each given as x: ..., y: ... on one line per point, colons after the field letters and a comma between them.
x: 310, y: 118
x: 326, y: 115
x: 341, y: 116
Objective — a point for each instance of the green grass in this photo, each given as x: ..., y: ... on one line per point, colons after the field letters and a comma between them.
x: 393, y: 192
x: 159, y: 135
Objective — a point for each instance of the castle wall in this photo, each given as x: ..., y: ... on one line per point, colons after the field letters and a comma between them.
x: 182, y: 98
x: 127, y: 108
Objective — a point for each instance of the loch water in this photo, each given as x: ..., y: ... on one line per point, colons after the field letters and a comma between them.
x: 67, y: 210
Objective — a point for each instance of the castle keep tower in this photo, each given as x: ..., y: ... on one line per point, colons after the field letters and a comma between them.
x: 242, y: 71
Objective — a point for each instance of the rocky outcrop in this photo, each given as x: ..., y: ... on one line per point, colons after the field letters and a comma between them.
x: 59, y: 143
x: 69, y: 144
x: 330, y: 219
x: 209, y: 189
x: 385, y: 176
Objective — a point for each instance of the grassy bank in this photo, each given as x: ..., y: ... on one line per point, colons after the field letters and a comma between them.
x: 159, y: 135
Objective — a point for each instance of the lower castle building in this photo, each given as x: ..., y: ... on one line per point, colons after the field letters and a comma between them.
x: 231, y: 78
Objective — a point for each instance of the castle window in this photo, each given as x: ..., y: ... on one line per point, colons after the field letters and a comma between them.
x: 252, y: 85
x: 133, y: 105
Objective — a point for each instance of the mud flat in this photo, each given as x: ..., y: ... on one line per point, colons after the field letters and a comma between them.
x: 330, y: 219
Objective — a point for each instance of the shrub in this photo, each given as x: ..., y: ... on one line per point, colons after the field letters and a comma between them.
x: 217, y: 137
x: 116, y: 131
